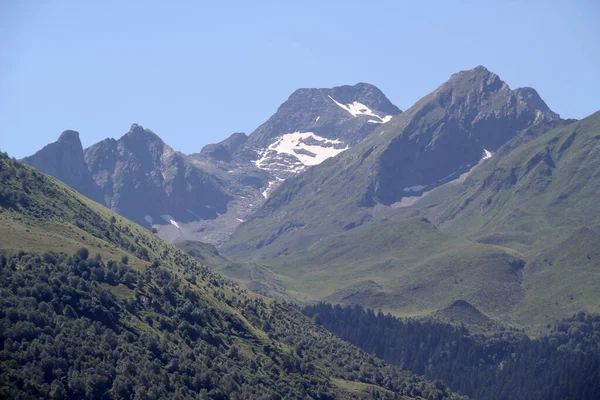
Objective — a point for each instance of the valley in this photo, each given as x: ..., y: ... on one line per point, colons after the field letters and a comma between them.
x: 472, y: 213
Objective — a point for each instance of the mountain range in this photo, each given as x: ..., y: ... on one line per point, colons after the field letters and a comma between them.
x: 470, y: 219
x: 340, y: 196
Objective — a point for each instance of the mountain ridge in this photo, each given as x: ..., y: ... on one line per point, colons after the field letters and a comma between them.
x: 435, y: 141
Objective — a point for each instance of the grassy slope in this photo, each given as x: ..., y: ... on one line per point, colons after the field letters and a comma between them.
x: 534, y: 194
x: 38, y: 214
x: 533, y: 198
x: 541, y: 200
x: 562, y: 279
x: 407, y: 267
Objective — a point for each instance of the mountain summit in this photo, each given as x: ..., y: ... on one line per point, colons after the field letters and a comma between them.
x: 441, y: 137
x: 346, y: 113
x: 145, y: 180
x: 311, y: 126
x: 64, y: 160
x: 206, y: 195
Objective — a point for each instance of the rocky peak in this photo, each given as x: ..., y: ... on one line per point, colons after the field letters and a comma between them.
x: 69, y: 136
x: 462, y: 122
x: 529, y: 97
x: 64, y: 160
x: 346, y: 113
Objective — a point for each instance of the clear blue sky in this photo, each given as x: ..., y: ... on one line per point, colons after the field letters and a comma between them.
x: 196, y: 71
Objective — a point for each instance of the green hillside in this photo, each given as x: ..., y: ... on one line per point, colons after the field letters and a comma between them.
x: 408, y: 267
x: 534, y: 194
x: 94, y: 306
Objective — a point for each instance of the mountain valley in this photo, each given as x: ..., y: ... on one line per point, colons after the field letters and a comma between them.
x: 470, y: 219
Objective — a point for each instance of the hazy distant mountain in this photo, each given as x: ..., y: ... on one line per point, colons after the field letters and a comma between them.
x: 206, y: 195
x: 64, y: 160
x: 145, y: 180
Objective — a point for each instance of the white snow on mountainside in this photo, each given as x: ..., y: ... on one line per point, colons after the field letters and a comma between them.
x: 170, y: 219
x: 306, y: 147
x: 356, y: 108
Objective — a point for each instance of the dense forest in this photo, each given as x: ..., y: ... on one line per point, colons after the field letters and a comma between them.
x: 73, y: 326
x: 120, y: 314
x: 564, y: 364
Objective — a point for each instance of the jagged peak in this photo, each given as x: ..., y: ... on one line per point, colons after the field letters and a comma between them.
x: 479, y: 78
x: 69, y: 136
x: 139, y: 132
x: 531, y: 96
x: 362, y: 92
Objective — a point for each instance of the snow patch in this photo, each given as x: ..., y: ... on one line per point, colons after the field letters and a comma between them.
x: 170, y: 219
x: 241, y: 220
x: 317, y: 120
x: 356, y: 108
x: 417, y: 188
x: 486, y: 154
x: 306, y: 147
x: 265, y: 192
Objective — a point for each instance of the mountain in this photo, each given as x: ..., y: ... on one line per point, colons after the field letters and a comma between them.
x: 206, y: 195
x: 120, y: 173
x: 441, y: 137
x: 311, y: 126
x: 93, y: 305
x: 532, y: 194
x: 520, y: 230
x: 539, y: 199
x: 64, y: 160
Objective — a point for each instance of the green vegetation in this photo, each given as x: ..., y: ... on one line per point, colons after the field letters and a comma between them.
x: 391, y: 265
x: 517, y: 238
x: 541, y: 200
x: 533, y: 194
x: 564, y: 364
x: 94, y: 306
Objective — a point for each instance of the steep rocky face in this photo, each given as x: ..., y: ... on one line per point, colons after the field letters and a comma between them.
x: 442, y: 136
x: 346, y: 113
x: 64, y: 160
x: 146, y: 181
x: 467, y: 118
x: 224, y: 150
x: 316, y: 124
x: 312, y: 126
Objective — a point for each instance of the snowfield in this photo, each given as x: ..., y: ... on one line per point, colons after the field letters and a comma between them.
x: 356, y: 109
x: 309, y: 149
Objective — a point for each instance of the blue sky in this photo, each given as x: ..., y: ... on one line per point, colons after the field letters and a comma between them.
x: 196, y: 71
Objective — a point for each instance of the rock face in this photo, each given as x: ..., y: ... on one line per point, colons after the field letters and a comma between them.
x: 442, y: 136
x: 207, y: 195
x: 64, y: 160
x: 346, y: 113
x: 467, y: 118
x: 224, y: 151
x: 310, y: 127
x: 148, y: 182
